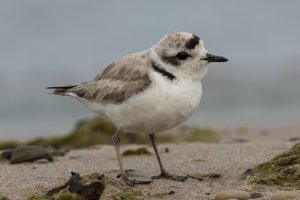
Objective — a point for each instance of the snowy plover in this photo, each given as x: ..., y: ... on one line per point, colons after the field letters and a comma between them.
x: 148, y: 91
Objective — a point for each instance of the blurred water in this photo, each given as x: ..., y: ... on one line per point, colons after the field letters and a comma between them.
x: 45, y: 43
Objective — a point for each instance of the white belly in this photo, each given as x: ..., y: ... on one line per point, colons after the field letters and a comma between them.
x: 162, y: 106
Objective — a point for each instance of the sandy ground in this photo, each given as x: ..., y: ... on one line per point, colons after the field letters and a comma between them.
x: 229, y: 158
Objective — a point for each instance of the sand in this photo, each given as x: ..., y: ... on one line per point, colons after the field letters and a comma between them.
x: 229, y: 158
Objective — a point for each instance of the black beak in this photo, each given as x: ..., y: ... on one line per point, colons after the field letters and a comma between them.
x: 213, y: 58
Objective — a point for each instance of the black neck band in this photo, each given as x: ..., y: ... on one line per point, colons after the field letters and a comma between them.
x: 163, y: 71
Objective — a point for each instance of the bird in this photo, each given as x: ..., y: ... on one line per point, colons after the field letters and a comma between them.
x: 148, y: 92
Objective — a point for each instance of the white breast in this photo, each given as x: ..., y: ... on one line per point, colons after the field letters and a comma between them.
x: 162, y: 106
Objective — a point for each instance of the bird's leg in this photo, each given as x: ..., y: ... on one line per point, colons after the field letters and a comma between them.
x: 116, y: 141
x: 163, y: 173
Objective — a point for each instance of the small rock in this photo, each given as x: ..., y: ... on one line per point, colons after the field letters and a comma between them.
x: 255, y: 195
x: 89, y: 191
x: 6, y: 154
x: 41, y: 161
x: 248, y: 172
x: 294, y: 139
x: 228, y: 195
x: 29, y: 154
x: 288, y: 170
x: 167, y: 150
x: 286, y: 196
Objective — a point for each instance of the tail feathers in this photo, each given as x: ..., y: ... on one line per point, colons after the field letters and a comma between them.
x: 61, y: 90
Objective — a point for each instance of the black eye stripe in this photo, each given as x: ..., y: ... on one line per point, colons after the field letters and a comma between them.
x: 182, y: 55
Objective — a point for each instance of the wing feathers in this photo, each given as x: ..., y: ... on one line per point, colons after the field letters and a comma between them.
x: 118, y: 81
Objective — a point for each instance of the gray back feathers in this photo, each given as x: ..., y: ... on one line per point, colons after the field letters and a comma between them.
x: 117, y: 82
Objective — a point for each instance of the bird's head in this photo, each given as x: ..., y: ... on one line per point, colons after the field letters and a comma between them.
x: 183, y: 54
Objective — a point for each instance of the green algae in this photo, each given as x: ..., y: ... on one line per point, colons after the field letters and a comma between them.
x: 9, y: 145
x: 63, y: 195
x: 94, y: 131
x: 283, y: 170
x: 128, y: 194
x: 94, y: 177
x: 4, y: 198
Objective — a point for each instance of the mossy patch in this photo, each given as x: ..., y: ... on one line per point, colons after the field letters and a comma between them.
x: 9, y: 145
x: 89, y: 188
x: 85, y: 133
x: 136, y: 152
x: 89, y: 132
x: 4, y: 198
x: 93, y: 177
x: 128, y: 194
x: 94, y: 131
x: 64, y: 195
x: 161, y: 194
x: 283, y: 170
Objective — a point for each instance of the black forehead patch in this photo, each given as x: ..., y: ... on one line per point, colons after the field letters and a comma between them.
x: 191, y: 44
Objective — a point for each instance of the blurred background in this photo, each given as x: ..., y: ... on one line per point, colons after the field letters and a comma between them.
x: 53, y: 42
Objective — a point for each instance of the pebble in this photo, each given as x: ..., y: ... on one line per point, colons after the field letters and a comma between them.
x: 6, y: 154
x: 255, y: 195
x: 29, y: 154
x: 41, y: 161
x: 286, y: 196
x: 230, y: 195
x: 294, y: 139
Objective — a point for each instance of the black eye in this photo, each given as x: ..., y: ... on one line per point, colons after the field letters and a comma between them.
x: 182, y: 55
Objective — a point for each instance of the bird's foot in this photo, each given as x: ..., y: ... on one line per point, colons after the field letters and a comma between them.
x: 166, y: 175
x: 133, y: 181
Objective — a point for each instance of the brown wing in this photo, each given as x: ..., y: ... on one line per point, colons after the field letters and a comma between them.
x: 117, y: 82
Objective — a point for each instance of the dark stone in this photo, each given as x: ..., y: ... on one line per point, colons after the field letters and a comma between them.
x: 248, y: 172
x: 167, y: 150
x: 294, y: 139
x: 91, y: 191
x: 74, y: 182
x: 255, y: 195
x: 29, y: 154
x: 6, y: 154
